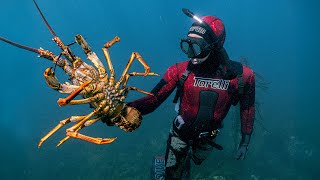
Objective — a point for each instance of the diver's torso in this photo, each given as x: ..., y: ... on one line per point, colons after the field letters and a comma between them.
x: 203, y: 88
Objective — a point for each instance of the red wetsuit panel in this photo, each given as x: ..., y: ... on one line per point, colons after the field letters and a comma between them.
x: 203, y: 78
x: 247, y: 108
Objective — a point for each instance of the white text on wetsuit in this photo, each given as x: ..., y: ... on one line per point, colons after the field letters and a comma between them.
x: 211, y: 83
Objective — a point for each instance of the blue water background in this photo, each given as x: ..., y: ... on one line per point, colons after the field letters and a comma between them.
x: 279, y: 38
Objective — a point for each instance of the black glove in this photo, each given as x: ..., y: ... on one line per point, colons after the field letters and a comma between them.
x: 243, y: 147
x: 128, y: 119
x: 107, y: 121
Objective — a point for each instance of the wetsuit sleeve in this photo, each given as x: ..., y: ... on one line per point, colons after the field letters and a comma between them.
x: 247, y: 101
x: 160, y: 92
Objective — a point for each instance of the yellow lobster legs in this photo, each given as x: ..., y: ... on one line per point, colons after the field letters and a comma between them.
x: 103, y: 93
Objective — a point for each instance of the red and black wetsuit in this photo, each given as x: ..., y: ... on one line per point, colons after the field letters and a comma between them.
x: 204, y: 78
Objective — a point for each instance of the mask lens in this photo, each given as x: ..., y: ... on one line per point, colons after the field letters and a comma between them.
x: 185, y: 46
x: 196, y: 49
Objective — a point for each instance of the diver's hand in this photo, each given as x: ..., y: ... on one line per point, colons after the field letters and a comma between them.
x: 129, y: 120
x: 243, y: 147
x: 107, y: 121
x: 241, y: 153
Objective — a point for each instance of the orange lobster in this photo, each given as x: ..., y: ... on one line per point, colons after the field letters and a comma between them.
x: 102, y: 92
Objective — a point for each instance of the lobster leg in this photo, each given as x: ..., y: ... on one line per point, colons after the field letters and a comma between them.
x: 134, y: 55
x: 139, y: 90
x: 75, y: 133
x: 91, y: 139
x: 61, y: 123
x: 143, y: 74
x: 127, y: 76
x: 51, y: 79
x: 89, y: 122
x: 95, y: 98
x: 64, y: 101
x: 49, y: 74
x: 57, y: 60
x: 91, y: 55
x: 53, y: 82
x: 107, y: 55
x: 79, y: 125
x: 112, y: 42
x: 126, y: 79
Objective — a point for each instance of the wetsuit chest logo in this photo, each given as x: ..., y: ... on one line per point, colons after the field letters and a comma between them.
x: 211, y: 83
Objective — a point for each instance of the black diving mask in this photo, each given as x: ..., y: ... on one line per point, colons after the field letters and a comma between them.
x: 195, y: 47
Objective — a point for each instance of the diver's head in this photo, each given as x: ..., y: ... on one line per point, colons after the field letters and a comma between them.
x: 206, y: 35
x: 196, y: 54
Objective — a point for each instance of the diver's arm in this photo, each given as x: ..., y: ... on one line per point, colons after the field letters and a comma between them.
x: 247, y: 111
x: 160, y: 92
x: 247, y: 100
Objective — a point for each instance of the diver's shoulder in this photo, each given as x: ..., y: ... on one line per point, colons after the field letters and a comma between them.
x: 179, y: 65
x: 183, y: 63
x: 248, y: 75
x: 239, y: 67
x: 247, y: 71
x: 234, y: 68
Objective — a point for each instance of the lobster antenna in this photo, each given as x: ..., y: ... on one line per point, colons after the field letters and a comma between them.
x: 55, y: 63
x: 44, y: 19
x: 70, y: 56
x: 71, y: 43
x: 19, y: 45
